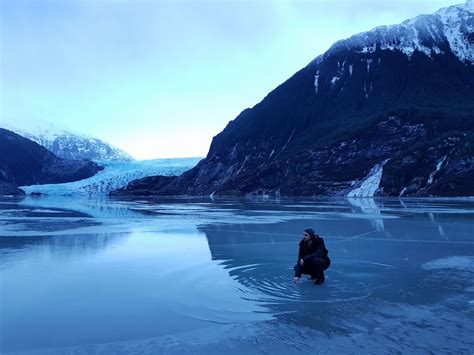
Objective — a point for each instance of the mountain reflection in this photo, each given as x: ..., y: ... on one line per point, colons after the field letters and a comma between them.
x: 45, y: 228
x: 378, y: 251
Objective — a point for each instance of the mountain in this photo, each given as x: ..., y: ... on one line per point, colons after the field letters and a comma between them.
x: 70, y: 145
x: 115, y: 175
x: 24, y: 162
x: 388, y: 112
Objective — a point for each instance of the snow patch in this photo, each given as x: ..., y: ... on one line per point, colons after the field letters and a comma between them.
x: 243, y: 165
x: 402, y: 192
x: 458, y: 22
x: 462, y: 263
x: 438, y: 167
x: 369, y: 63
x: 316, y: 82
x: 288, y: 141
x: 371, y: 183
x: 334, y: 80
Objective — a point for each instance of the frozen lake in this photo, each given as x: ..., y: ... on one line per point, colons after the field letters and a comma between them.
x: 201, y: 276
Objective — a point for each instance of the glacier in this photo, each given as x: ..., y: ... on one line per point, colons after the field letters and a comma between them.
x: 116, y: 174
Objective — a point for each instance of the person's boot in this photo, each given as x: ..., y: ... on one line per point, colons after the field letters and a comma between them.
x: 319, y: 281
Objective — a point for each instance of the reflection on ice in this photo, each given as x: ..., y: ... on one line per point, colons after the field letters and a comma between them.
x: 141, y: 285
x: 161, y: 275
x: 369, y: 206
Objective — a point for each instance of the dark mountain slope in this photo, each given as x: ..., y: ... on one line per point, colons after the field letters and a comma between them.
x: 389, y: 111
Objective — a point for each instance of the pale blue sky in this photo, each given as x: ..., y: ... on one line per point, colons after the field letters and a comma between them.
x: 161, y: 78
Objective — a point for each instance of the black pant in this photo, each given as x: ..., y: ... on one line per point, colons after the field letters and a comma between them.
x: 314, y: 267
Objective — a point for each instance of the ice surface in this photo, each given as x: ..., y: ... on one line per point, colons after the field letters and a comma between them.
x: 186, y: 276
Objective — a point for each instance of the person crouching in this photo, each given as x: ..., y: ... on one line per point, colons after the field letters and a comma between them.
x: 312, y: 257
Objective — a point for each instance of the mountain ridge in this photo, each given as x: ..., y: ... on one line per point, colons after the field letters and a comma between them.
x: 420, y: 103
x: 70, y: 145
x: 24, y: 162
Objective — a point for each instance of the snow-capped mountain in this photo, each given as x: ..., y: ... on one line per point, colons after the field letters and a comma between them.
x: 448, y: 29
x: 114, y: 176
x: 70, y: 145
x: 384, y: 112
x: 23, y: 161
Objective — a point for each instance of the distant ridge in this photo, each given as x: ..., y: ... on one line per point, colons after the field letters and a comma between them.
x: 70, y: 145
x: 24, y: 162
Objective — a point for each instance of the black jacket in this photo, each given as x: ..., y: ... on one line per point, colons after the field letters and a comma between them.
x: 315, y: 247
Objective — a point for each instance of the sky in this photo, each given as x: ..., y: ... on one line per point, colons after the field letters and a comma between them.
x: 159, y: 79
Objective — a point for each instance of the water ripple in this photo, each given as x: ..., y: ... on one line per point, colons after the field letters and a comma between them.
x: 269, y: 283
